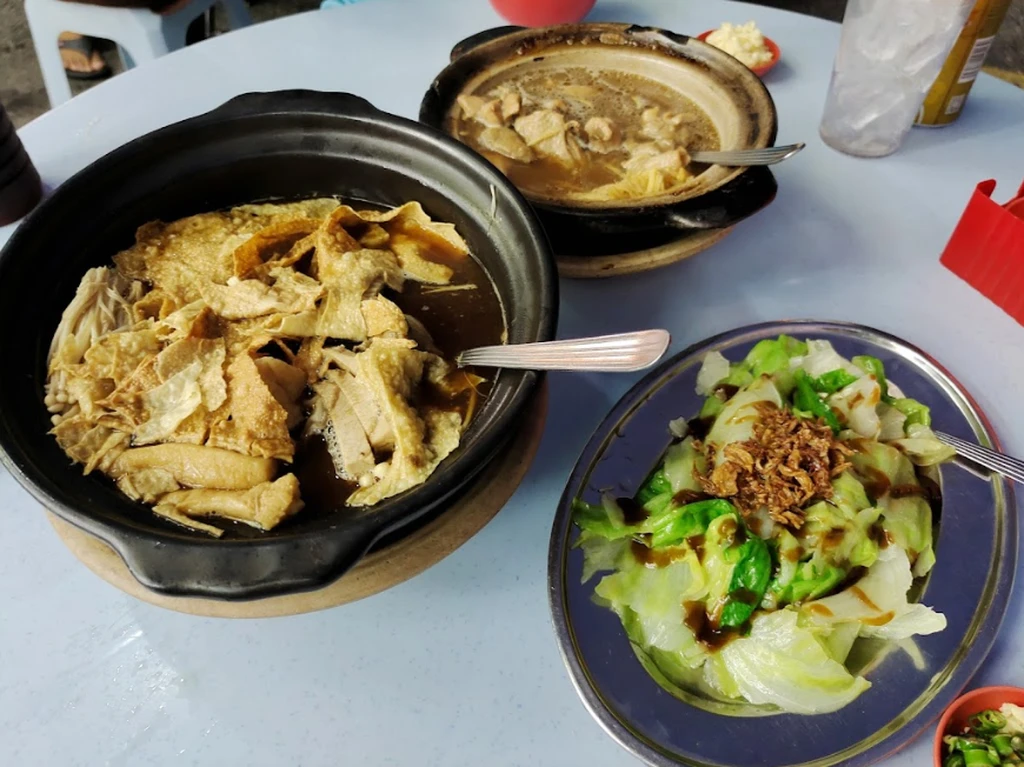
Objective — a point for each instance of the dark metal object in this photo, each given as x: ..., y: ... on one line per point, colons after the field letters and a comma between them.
x: 20, y: 186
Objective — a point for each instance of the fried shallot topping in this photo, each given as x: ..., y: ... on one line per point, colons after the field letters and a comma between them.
x: 788, y: 462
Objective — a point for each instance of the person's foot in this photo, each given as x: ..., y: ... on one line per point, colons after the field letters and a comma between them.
x: 81, y: 59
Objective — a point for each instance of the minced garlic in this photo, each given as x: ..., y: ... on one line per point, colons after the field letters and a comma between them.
x: 743, y: 41
x: 1014, y: 718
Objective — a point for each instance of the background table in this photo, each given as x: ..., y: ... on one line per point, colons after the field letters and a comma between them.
x: 459, y: 666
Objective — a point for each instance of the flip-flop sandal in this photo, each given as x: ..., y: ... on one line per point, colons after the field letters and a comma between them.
x: 85, y: 47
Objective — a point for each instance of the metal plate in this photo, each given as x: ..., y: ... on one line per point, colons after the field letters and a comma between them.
x: 976, y: 550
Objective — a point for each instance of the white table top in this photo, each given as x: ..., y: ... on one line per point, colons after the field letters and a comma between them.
x: 459, y: 666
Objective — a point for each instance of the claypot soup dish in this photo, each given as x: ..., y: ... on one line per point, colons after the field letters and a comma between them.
x: 596, y: 123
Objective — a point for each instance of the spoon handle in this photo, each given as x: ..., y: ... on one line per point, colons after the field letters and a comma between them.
x: 743, y: 157
x: 623, y: 352
x: 1008, y: 466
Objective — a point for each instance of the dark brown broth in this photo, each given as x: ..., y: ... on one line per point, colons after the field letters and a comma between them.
x: 323, y: 491
x: 456, y: 320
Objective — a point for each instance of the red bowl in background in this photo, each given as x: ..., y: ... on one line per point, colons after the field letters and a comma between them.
x: 762, y: 70
x: 543, y: 13
x: 963, y: 708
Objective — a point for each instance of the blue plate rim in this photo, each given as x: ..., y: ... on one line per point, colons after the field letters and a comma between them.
x: 975, y: 654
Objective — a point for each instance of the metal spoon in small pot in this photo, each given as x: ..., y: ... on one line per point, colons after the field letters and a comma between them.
x: 620, y: 353
x: 744, y: 157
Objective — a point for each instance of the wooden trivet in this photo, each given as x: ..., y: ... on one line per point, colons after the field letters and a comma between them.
x: 690, y: 244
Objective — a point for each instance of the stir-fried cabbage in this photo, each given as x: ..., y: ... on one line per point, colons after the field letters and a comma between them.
x: 922, y: 446
x: 821, y: 358
x: 652, y: 596
x: 724, y: 594
x: 857, y: 405
x: 906, y: 515
x: 787, y: 665
x: 713, y: 371
x: 892, y: 423
x: 682, y: 464
x: 878, y: 602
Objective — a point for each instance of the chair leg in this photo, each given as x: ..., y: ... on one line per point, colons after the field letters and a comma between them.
x: 143, y: 44
x: 126, y: 58
x: 200, y: 28
x: 58, y: 89
x: 237, y: 12
x: 174, y: 30
x: 44, y: 39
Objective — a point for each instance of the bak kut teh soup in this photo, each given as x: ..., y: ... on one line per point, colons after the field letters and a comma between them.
x: 231, y: 367
x: 585, y: 134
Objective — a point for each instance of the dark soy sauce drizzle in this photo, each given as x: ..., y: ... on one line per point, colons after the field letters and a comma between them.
x: 876, y: 482
x: 632, y: 512
x: 656, y: 557
x: 697, y: 620
x: 933, y: 494
x: 685, y: 497
x: 696, y: 542
x: 698, y: 428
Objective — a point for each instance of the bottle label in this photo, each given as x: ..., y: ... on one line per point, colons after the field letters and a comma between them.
x: 975, y: 61
x: 955, y: 104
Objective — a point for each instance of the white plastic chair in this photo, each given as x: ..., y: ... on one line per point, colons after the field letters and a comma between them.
x: 140, y: 34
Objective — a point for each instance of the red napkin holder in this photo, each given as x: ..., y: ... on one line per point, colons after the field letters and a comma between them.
x: 987, y: 249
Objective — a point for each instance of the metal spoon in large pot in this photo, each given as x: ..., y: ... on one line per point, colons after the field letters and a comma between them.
x: 620, y: 353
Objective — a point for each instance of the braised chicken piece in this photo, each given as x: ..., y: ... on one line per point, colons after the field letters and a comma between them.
x: 545, y: 131
x: 599, y: 129
x: 511, y: 103
x: 507, y: 143
x: 647, y: 157
x: 485, y: 111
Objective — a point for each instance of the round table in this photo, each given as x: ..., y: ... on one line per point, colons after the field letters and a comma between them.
x: 459, y: 666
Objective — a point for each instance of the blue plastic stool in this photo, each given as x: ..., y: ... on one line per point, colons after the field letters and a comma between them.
x: 140, y: 34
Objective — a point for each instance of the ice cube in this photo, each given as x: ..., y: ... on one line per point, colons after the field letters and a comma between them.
x: 863, y: 97
x: 887, y: 31
x: 925, y: 55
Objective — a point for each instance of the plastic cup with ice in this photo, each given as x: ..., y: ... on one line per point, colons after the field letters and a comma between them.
x: 889, y: 54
